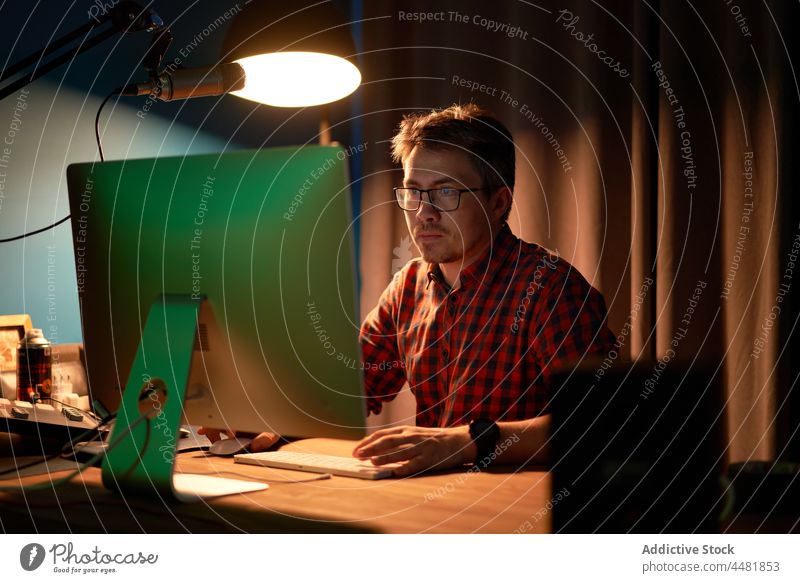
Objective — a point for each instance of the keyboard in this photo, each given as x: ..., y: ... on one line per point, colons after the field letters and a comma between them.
x: 318, y: 463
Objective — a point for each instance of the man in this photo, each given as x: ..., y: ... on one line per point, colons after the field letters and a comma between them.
x: 477, y: 324
x: 482, y: 318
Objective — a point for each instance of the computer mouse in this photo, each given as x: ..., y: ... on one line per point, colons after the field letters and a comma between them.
x: 230, y: 447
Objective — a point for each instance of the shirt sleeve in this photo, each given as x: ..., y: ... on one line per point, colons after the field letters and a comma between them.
x: 384, y: 367
x: 570, y: 325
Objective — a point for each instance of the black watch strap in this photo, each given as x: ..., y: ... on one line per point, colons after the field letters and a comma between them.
x: 485, y: 434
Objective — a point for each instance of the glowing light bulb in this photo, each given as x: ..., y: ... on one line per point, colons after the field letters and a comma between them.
x: 297, y: 79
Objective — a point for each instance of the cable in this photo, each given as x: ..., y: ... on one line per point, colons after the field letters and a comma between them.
x: 88, y: 464
x: 101, y: 424
x: 36, y: 232
x: 64, y: 450
x: 97, y: 122
x: 251, y: 478
x: 102, y: 159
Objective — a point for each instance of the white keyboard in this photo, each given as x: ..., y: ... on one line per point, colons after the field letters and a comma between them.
x: 321, y: 464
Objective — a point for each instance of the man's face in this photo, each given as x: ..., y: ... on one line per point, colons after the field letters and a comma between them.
x: 447, y: 237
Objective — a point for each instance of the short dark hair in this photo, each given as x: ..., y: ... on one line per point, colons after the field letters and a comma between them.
x: 469, y: 128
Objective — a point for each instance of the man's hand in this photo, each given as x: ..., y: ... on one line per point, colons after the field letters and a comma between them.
x: 261, y: 442
x: 422, y: 448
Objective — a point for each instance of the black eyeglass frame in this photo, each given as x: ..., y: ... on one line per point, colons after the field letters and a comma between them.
x: 430, y: 201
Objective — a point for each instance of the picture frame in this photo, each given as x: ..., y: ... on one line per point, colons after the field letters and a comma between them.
x: 12, y: 330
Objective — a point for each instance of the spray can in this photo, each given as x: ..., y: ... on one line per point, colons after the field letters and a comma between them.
x: 34, y: 367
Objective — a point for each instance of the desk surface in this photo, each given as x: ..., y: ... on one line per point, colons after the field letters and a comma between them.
x: 499, y: 500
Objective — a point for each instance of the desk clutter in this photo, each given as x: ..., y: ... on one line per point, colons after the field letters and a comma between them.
x: 43, y: 419
x: 44, y: 387
x: 35, y: 370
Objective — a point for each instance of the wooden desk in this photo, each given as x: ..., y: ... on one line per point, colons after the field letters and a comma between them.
x: 452, y: 502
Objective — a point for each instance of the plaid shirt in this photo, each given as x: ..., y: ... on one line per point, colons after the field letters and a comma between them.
x: 485, y: 348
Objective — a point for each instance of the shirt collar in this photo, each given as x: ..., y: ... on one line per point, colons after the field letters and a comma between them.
x: 487, y: 264
x: 435, y: 274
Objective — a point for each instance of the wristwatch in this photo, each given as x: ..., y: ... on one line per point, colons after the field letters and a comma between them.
x: 485, y: 434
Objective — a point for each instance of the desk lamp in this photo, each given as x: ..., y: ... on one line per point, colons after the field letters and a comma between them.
x: 282, y: 56
x: 293, y: 56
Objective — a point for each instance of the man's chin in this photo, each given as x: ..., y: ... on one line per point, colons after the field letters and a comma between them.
x: 435, y: 251
x: 431, y: 256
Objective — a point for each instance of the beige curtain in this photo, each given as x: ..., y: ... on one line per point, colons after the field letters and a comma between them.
x: 633, y: 169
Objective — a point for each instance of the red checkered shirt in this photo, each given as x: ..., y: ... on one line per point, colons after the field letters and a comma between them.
x: 484, y: 349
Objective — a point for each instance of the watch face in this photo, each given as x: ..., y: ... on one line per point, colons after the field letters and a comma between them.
x: 485, y: 433
x: 483, y: 428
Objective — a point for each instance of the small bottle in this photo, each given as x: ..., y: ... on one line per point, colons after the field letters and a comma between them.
x: 34, y: 367
x: 57, y: 393
x: 66, y: 387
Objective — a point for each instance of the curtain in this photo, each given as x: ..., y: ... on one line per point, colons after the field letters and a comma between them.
x: 654, y: 153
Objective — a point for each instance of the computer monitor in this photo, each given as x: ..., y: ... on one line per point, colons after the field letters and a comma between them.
x: 254, y: 249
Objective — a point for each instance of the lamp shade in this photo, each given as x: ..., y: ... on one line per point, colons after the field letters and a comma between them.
x: 293, y: 54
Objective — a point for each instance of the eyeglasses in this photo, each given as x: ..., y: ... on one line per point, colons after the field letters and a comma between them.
x: 443, y: 199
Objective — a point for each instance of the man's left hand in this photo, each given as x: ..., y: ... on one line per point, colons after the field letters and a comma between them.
x: 421, y: 448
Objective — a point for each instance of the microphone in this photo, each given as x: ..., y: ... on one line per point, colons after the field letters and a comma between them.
x: 187, y: 83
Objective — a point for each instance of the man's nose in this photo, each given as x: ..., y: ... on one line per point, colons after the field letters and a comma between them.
x: 427, y: 213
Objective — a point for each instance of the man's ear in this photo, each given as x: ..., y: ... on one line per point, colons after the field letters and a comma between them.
x: 500, y: 202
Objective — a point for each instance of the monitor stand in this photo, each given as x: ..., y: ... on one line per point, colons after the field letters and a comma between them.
x: 141, y: 451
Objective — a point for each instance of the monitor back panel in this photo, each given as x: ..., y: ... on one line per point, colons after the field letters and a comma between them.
x: 266, y: 237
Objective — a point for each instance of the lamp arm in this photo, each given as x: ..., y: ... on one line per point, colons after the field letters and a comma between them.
x: 35, y: 56
x: 124, y: 17
x: 12, y: 88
